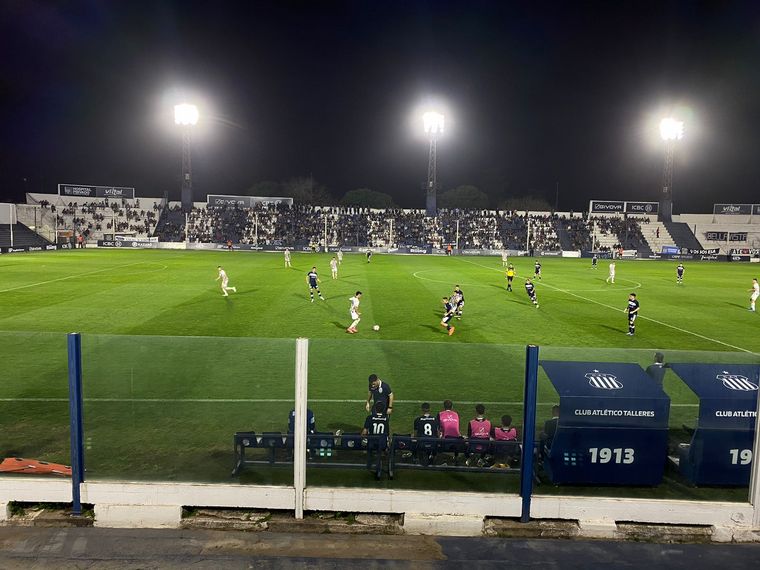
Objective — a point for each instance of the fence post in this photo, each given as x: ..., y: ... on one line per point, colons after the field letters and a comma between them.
x: 529, y: 429
x: 299, y: 433
x: 75, y: 419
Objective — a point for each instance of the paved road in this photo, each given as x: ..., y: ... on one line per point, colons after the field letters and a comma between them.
x: 86, y: 548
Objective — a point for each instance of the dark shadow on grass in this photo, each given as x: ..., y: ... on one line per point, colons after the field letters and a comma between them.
x: 738, y: 305
x: 432, y: 328
x: 339, y: 325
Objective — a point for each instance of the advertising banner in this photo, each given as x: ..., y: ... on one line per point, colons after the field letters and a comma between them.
x: 135, y: 244
x: 716, y: 236
x: 737, y: 236
x: 642, y: 207
x: 606, y: 207
x: 86, y: 191
x: 732, y: 209
x: 220, y: 200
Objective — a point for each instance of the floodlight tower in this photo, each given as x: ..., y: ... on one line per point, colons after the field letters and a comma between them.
x: 186, y: 116
x: 433, y: 123
x: 671, y: 131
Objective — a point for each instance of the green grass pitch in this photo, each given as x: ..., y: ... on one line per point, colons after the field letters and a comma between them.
x: 172, y: 368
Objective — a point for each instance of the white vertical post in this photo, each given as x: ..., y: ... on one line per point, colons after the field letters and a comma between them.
x: 256, y: 228
x: 754, y: 480
x: 299, y: 434
x: 187, y: 228
x: 325, y: 232
x: 527, y: 237
x: 457, y: 234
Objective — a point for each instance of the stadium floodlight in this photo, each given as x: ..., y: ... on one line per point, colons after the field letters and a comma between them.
x: 671, y: 129
x: 433, y: 123
x: 186, y: 114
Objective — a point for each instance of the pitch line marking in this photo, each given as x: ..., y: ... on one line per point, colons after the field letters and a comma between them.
x: 266, y: 401
x: 81, y: 275
x: 707, y: 338
x: 417, y: 276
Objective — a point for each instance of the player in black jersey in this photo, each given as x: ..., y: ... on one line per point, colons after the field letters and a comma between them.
x: 530, y: 289
x: 679, y: 274
x: 448, y: 314
x: 633, y: 310
x: 426, y: 425
x: 377, y: 424
x: 312, y: 279
x: 457, y: 299
x: 537, y: 270
x: 594, y: 260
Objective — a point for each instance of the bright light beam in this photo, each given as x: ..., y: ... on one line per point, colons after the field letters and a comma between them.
x: 433, y: 123
x: 671, y: 129
x: 186, y: 114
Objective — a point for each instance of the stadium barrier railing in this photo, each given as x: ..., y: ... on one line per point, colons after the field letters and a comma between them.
x: 159, y: 414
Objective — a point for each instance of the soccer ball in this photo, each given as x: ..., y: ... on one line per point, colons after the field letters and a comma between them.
x: 376, y: 328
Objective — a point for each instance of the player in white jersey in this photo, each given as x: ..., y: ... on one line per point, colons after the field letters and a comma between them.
x: 504, y: 259
x: 225, y: 282
x: 340, y: 257
x: 286, y: 253
x: 611, y: 278
x: 334, y: 268
x: 355, y: 314
x: 755, y: 294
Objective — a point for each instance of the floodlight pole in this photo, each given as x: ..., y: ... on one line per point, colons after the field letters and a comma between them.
x: 666, y: 201
x: 432, y: 182
x: 187, y: 171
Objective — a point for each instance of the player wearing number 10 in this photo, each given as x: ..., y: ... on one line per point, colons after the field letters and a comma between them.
x: 378, y: 424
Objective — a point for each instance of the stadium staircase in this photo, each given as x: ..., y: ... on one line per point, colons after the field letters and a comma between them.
x: 683, y: 236
x: 650, y: 235
x: 171, y: 225
x: 564, y: 238
x: 22, y: 236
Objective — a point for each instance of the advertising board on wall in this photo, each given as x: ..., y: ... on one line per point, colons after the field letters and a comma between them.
x: 622, y: 207
x: 220, y: 200
x: 88, y: 191
x: 733, y: 209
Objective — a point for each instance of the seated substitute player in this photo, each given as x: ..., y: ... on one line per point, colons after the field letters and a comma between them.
x: 379, y: 391
x: 530, y: 289
x: 458, y: 302
x: 311, y: 424
x: 353, y: 310
x: 312, y: 279
x: 505, y: 432
x: 679, y: 274
x: 448, y: 421
x: 550, y: 429
x: 225, y: 281
x: 537, y: 270
x: 378, y: 423
x: 510, y: 276
x: 426, y: 425
x: 448, y: 314
x: 633, y: 310
x: 479, y: 427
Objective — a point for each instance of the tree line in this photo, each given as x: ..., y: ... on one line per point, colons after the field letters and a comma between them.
x: 306, y: 190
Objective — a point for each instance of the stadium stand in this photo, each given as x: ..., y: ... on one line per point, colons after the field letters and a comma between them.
x: 22, y: 236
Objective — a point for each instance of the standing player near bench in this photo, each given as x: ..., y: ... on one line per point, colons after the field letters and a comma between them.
x: 225, y: 281
x: 379, y: 393
x: 313, y: 281
x: 633, y: 310
x: 679, y: 274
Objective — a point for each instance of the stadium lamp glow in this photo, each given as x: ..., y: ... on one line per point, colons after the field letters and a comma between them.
x: 433, y: 123
x: 671, y: 130
x: 185, y: 114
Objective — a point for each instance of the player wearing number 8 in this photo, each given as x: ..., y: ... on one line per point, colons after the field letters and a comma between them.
x: 426, y: 425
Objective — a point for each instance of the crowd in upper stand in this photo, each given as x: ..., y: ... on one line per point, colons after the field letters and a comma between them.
x: 270, y: 224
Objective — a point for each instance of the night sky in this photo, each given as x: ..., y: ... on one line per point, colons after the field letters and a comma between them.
x: 535, y: 94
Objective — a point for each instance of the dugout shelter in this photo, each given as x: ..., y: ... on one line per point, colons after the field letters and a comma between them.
x: 720, y: 450
x: 612, y: 427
